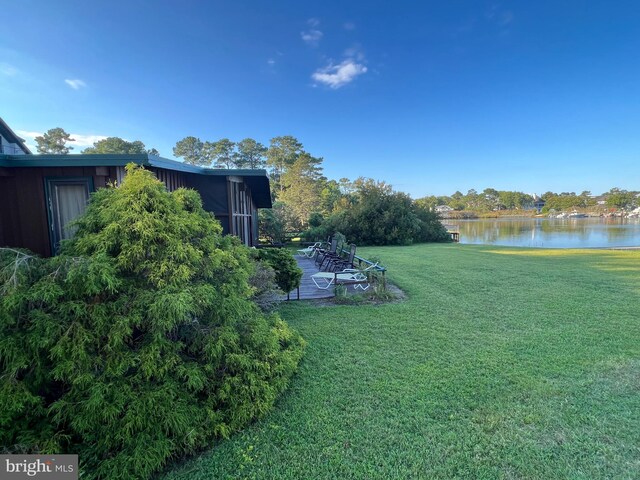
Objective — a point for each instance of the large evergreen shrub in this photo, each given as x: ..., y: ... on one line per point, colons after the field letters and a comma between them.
x: 380, y: 216
x: 139, y: 343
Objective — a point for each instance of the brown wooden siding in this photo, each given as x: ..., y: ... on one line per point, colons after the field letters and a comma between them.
x: 172, y: 180
x: 23, y: 210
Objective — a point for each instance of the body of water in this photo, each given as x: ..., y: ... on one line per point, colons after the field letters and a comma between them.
x: 550, y: 232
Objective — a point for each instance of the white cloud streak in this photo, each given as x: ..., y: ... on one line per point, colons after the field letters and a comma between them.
x: 8, y: 70
x: 312, y: 36
x: 337, y: 76
x: 76, y: 83
x: 79, y: 140
x: 86, y: 140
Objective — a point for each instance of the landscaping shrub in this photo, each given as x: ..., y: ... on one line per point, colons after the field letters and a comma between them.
x: 274, y: 224
x: 431, y: 228
x: 139, y: 343
x: 266, y: 291
x: 288, y: 274
x: 380, y: 216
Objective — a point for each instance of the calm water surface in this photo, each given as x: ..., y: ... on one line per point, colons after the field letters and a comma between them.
x: 551, y: 232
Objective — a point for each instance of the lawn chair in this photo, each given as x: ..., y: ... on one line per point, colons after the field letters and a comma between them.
x: 309, y: 251
x: 324, y: 245
x: 349, y: 276
x: 331, y: 257
x: 324, y: 253
x: 340, y: 263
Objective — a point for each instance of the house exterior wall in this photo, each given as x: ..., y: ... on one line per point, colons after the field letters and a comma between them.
x: 215, y: 196
x: 24, y: 220
x: 172, y: 180
x: 23, y: 217
x: 216, y: 193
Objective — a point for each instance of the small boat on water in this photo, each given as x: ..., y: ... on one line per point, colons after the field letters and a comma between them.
x: 577, y: 215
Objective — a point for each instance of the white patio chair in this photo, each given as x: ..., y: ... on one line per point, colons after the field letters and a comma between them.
x: 348, y: 276
x: 310, y: 250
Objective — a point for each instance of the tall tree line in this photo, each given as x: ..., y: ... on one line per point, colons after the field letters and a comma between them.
x: 54, y: 142
x: 494, y: 200
x: 296, y: 177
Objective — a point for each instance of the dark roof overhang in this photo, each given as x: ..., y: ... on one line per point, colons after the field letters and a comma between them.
x: 257, y: 180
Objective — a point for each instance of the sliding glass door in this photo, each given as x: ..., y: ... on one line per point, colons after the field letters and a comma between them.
x: 66, y: 200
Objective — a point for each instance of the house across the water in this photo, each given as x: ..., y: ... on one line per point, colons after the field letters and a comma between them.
x: 443, y: 209
x: 41, y: 194
x: 538, y: 203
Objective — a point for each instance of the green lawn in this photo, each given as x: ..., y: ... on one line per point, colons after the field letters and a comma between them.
x: 502, y: 363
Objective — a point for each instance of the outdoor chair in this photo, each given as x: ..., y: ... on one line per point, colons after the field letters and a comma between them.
x: 349, y: 276
x: 309, y: 251
x: 323, y: 254
x: 324, y: 245
x: 340, y: 263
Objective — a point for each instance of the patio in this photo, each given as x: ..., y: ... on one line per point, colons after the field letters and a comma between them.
x: 308, y: 289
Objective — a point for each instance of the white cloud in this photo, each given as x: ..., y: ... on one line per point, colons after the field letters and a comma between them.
x: 271, y: 61
x: 8, y: 70
x: 27, y: 135
x: 79, y: 140
x: 336, y: 76
x: 76, y: 83
x: 349, y: 26
x: 312, y: 36
x: 86, y: 140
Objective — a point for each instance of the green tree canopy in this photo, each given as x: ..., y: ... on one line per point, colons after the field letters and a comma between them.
x: 302, y: 184
x: 250, y: 154
x: 282, y: 153
x: 54, y: 141
x: 116, y: 145
x: 191, y: 149
x: 381, y: 216
x: 618, y: 198
x: 220, y: 154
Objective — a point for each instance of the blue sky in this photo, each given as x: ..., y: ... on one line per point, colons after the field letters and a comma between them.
x: 431, y: 97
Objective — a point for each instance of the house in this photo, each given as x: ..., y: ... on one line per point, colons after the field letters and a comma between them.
x: 538, y: 203
x: 41, y: 194
x: 10, y: 143
x: 443, y: 209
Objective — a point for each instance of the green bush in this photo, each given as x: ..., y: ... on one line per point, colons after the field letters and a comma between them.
x: 315, y: 219
x: 380, y: 216
x: 266, y: 292
x: 276, y: 224
x: 288, y: 274
x: 431, y: 228
x: 140, y: 342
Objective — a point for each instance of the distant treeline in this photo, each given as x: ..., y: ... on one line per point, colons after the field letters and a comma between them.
x: 495, y: 200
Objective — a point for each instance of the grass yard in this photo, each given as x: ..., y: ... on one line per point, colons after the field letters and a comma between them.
x: 502, y: 363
